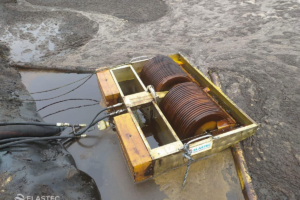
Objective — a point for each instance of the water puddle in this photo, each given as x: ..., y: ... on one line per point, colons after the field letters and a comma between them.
x: 30, y: 42
x: 100, y: 156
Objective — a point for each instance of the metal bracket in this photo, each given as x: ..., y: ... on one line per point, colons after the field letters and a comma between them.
x: 102, y: 125
x: 151, y: 89
x: 186, y: 145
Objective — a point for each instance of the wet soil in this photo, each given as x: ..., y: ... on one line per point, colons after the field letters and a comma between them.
x: 34, y: 36
x: 43, y: 169
x: 12, y: 91
x: 254, y: 46
x: 35, y: 169
x: 269, y: 93
x: 135, y: 10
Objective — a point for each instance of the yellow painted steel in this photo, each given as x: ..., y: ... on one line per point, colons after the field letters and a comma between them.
x: 209, y: 126
x: 108, y: 87
x: 162, y: 94
x: 135, y: 151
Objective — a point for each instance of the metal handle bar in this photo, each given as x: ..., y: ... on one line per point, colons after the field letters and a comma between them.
x: 199, y: 138
x: 136, y: 59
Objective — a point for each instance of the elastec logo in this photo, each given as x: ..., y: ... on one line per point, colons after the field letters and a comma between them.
x: 22, y: 197
x: 201, y: 148
x: 19, y: 197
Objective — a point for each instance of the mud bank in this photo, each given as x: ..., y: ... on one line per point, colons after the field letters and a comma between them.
x: 35, y: 169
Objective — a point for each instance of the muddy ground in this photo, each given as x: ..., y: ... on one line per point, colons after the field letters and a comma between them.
x: 254, y: 46
x: 28, y: 169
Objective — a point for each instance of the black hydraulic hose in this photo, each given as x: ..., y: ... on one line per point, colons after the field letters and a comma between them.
x: 77, y: 99
x: 37, y: 139
x: 90, y: 125
x: 27, y: 123
x: 63, y: 93
x: 96, y: 121
x: 13, y: 139
x: 60, y: 86
x: 76, y: 134
x: 14, y: 131
x: 93, y: 122
x: 63, y: 110
x: 59, y: 124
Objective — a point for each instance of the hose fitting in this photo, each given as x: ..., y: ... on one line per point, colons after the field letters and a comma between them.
x: 115, y: 105
x: 63, y: 124
x: 117, y: 112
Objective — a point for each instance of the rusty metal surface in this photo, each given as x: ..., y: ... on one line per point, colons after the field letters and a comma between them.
x: 187, y: 107
x: 239, y: 115
x: 163, y: 73
x: 243, y: 173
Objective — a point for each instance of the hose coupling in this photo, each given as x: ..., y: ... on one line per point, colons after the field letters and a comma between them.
x: 115, y: 105
x: 63, y: 124
x: 117, y: 112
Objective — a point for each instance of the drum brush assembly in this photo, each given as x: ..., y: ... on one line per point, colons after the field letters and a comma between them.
x: 171, y: 114
x: 189, y: 109
x: 192, y: 112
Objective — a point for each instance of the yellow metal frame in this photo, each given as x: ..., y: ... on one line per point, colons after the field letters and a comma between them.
x: 169, y: 156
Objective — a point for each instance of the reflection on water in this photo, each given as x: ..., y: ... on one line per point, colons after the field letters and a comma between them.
x: 99, y: 156
x: 29, y: 42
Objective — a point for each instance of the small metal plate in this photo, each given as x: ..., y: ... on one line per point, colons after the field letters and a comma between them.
x: 201, y: 148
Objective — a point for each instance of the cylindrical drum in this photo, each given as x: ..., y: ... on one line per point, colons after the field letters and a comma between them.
x: 163, y: 73
x: 190, y: 110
